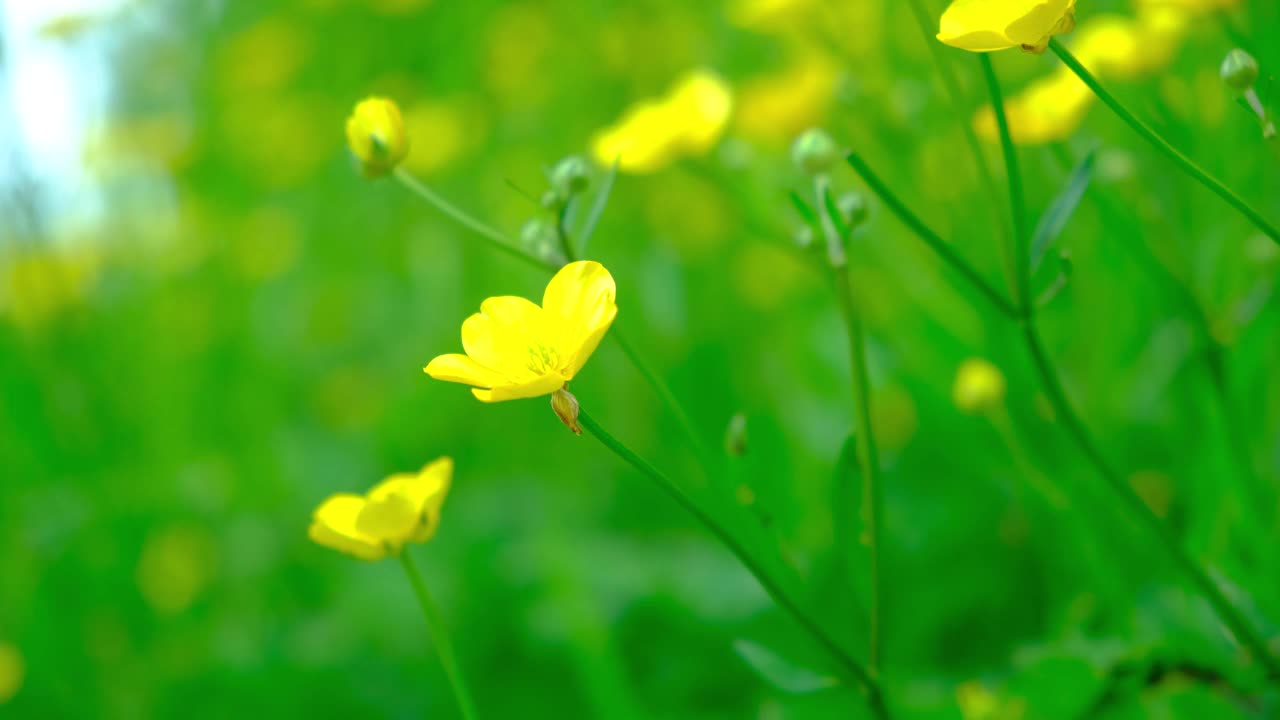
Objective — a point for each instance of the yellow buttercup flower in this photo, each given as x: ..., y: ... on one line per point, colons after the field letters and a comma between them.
x: 979, y: 386
x: 987, y: 25
x: 516, y: 349
x: 376, y: 135
x: 402, y: 509
x: 688, y: 120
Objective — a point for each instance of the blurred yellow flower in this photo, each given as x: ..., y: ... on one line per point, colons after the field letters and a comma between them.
x: 516, y: 349
x: 764, y: 15
x: 13, y: 671
x: 402, y: 509
x: 449, y: 128
x: 37, y: 285
x: 689, y: 120
x: 376, y: 136
x: 775, y: 108
x: 263, y: 58
x: 1048, y: 110
x: 176, y: 565
x: 987, y: 25
x: 979, y: 386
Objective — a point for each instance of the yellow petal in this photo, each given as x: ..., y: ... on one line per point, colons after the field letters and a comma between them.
x: 390, y: 518
x: 504, y: 336
x: 580, y: 302
x: 987, y: 25
x: 646, y: 138
x: 334, y: 526
x: 542, y: 385
x: 462, y: 369
x: 425, y: 491
x: 701, y: 103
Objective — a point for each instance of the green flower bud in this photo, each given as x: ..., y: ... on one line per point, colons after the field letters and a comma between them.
x: 1239, y: 70
x: 804, y: 237
x: 853, y: 208
x: 570, y: 176
x: 814, y: 152
x: 735, y: 436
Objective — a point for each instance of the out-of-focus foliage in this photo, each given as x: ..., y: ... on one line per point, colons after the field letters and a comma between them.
x: 234, y: 328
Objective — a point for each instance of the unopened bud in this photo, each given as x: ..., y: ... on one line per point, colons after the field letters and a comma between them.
x: 853, y: 208
x: 1239, y: 70
x: 376, y: 136
x: 735, y: 436
x: 566, y: 407
x: 804, y: 237
x: 814, y: 152
x: 570, y: 176
x: 538, y: 236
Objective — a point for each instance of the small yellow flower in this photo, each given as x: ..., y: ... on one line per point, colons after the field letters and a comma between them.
x: 402, y: 509
x: 651, y: 134
x: 375, y: 134
x: 516, y: 349
x: 987, y: 25
x: 979, y: 386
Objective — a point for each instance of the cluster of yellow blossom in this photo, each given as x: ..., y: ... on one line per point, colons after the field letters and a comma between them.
x: 1051, y: 108
x: 688, y: 120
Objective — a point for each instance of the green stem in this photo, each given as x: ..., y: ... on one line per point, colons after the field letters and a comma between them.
x: 440, y: 636
x: 868, y: 461
x: 1151, y: 136
x: 951, y: 83
x: 931, y: 238
x: 848, y: 664
x: 864, y: 437
x: 1017, y: 204
x: 496, y: 238
x: 1063, y: 409
x: 501, y: 242
x: 700, y: 448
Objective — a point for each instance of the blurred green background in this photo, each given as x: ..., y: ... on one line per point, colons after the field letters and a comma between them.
x: 209, y: 322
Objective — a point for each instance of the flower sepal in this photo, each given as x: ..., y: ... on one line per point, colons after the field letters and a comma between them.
x: 565, y: 406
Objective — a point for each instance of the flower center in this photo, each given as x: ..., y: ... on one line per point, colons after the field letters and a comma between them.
x: 543, y: 359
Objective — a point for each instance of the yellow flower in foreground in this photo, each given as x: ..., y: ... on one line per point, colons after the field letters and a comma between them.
x: 653, y: 133
x: 979, y: 386
x: 516, y: 349
x: 375, y: 134
x: 987, y: 25
x: 402, y: 509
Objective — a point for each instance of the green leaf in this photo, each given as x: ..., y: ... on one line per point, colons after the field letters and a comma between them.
x: 780, y: 672
x: 806, y: 211
x: 1055, y: 218
x: 597, y: 209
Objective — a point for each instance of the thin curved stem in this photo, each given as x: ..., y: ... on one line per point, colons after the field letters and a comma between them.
x: 668, y: 398
x: 864, y: 435
x: 868, y: 461
x: 851, y: 667
x: 1230, y: 616
x: 951, y: 82
x: 1017, y: 204
x: 496, y: 238
x: 440, y: 637
x: 1185, y: 163
x: 931, y: 238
